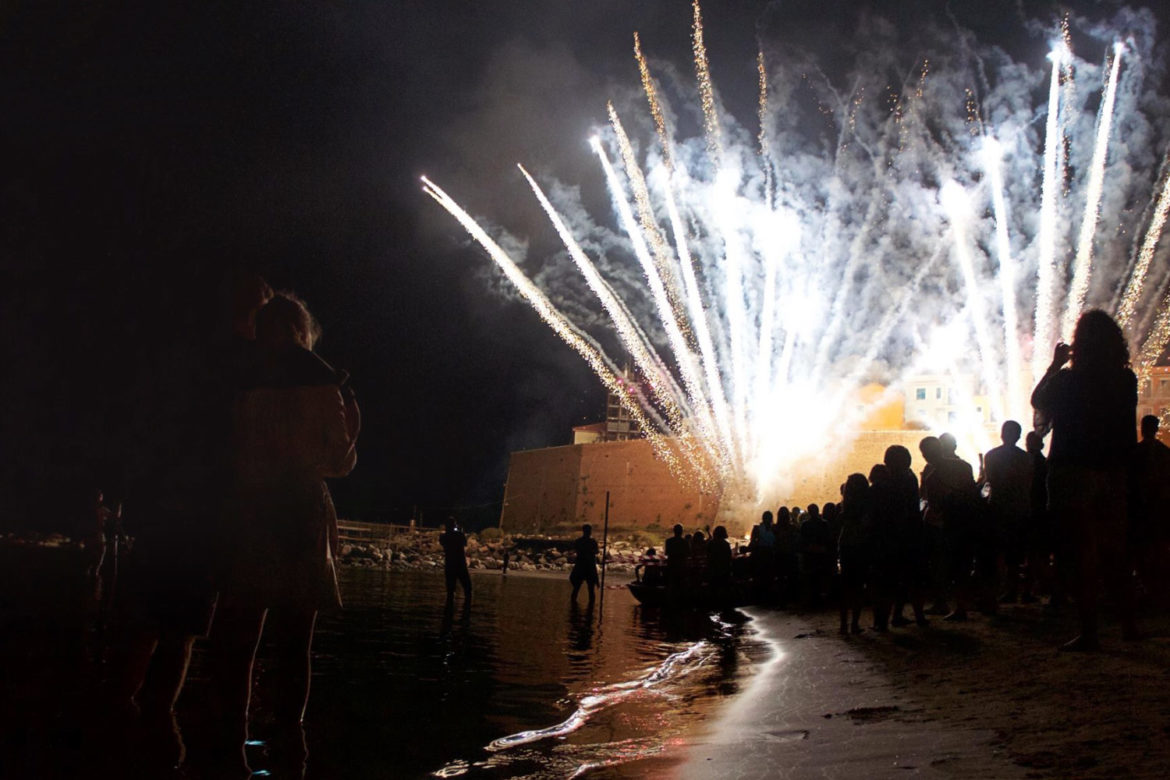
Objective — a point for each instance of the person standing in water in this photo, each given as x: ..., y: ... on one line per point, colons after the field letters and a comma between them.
x: 454, y: 543
x: 585, y: 567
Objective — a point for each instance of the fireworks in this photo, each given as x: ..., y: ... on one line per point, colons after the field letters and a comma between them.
x: 783, y: 270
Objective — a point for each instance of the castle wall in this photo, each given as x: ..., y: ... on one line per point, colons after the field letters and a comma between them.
x: 558, y: 488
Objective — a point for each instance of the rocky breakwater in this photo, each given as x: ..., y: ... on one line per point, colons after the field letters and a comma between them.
x: 487, y: 550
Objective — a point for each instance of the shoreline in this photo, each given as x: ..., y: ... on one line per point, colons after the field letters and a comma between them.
x: 992, y: 697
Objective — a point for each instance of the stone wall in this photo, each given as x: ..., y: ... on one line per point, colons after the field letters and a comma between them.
x: 557, y: 488
x: 552, y: 490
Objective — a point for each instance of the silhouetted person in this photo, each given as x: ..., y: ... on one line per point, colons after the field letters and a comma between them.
x: 817, y: 555
x: 454, y: 544
x: 678, y: 554
x: 1092, y: 407
x: 854, y: 550
x: 953, y: 502
x: 787, y: 555
x: 719, y: 565
x: 295, y: 424
x: 762, y: 547
x: 1008, y: 473
x: 585, y: 565
x: 698, y: 562
x: 648, y: 570
x: 1149, y: 537
x: 932, y: 533
x: 1040, y: 533
x: 884, y: 515
x: 908, y: 552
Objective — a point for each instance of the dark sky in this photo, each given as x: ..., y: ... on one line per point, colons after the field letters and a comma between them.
x: 149, y: 149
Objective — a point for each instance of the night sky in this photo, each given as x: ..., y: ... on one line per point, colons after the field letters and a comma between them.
x: 150, y: 149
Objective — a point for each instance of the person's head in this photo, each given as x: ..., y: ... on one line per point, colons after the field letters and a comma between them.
x: 949, y: 444
x: 783, y: 516
x: 720, y: 532
x: 1010, y: 432
x: 678, y: 530
x: 587, y: 530
x: 897, y: 459
x: 829, y: 510
x: 284, y: 322
x: 767, y: 519
x: 450, y: 523
x: 855, y: 489
x: 1149, y: 427
x: 249, y: 292
x: 931, y: 449
x: 878, y: 475
x: 1034, y: 442
x: 1098, y: 343
x: 814, y: 511
x: 651, y: 553
x: 698, y: 536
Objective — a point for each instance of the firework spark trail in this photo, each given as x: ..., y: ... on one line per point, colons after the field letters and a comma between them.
x: 1133, y: 290
x: 663, y: 259
x: 700, y: 325
x: 581, y: 343
x: 1082, y: 269
x: 765, y: 157
x: 733, y: 265
x: 655, y: 106
x: 767, y: 314
x: 706, y: 90
x: 632, y: 336
x: 698, y: 317
x: 956, y: 203
x: 1046, y: 239
x: 1156, y: 341
x: 678, y: 344
x: 725, y: 216
x: 669, y: 395
x: 858, y: 250
x: 993, y: 159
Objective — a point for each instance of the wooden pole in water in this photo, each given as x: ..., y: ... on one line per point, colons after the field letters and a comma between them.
x: 604, y: 549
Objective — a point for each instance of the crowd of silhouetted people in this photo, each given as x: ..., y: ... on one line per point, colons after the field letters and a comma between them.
x: 955, y: 539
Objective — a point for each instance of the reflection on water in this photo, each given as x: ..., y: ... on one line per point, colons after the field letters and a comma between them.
x: 523, y: 684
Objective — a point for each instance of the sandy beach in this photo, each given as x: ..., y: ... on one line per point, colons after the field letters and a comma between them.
x: 992, y: 697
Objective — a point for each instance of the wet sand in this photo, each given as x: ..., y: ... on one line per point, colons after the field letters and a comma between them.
x: 988, y: 698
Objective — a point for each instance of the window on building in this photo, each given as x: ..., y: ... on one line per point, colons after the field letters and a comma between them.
x: 937, y: 393
x: 920, y: 394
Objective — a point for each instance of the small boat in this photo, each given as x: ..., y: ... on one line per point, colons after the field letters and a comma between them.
x: 650, y: 589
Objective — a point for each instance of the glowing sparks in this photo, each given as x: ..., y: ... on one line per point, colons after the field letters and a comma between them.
x: 993, y: 160
x: 655, y: 106
x: 1133, y: 290
x: 1081, y: 270
x: 1046, y: 262
x: 706, y: 89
